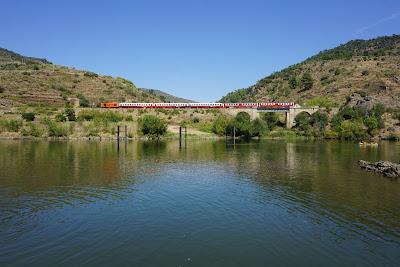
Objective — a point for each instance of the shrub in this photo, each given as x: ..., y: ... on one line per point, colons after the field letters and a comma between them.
x: 365, y: 73
x: 83, y: 101
x: 307, y: 81
x: 56, y: 129
x: 302, y: 121
x: 1, y: 89
x: 243, y: 124
x: 60, y: 118
x: 324, y: 78
x: 377, y: 111
x: 336, y: 122
x: 10, y: 125
x: 396, y: 115
x: 271, y: 119
x: 85, y: 115
x: 321, y: 101
x: 220, y: 124
x: 293, y: 82
x: 258, y: 127
x: 109, y: 116
x: 361, y: 93
x: 319, y: 121
x: 195, y: 120
x: 350, y: 130
x: 129, y: 118
x: 371, y: 123
x: 28, y: 116
x: 32, y: 130
x: 70, y: 113
x: 90, y: 74
x: 394, y: 136
x: 330, y: 134
x: 152, y: 126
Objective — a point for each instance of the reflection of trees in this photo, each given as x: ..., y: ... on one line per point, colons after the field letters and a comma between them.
x: 321, y: 177
x: 324, y: 178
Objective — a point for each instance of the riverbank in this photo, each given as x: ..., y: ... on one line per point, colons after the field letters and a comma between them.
x: 93, y: 123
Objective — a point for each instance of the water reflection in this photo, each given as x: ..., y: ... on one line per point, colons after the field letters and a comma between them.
x: 310, y: 192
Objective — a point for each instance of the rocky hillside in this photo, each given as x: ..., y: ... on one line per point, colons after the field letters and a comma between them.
x: 370, y: 68
x: 33, y: 81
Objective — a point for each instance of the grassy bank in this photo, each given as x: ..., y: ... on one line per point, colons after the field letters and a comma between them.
x: 88, y: 123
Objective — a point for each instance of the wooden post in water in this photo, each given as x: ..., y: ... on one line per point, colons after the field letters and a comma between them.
x: 234, y: 135
x: 126, y: 132
x: 118, y: 132
x: 180, y: 136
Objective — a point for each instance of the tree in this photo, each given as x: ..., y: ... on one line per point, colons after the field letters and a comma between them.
x: 319, y: 121
x: 70, y: 113
x: 243, y: 124
x: 258, y: 127
x: 336, y: 121
x: 28, y: 116
x: 293, y: 82
x: 83, y: 101
x: 371, y: 123
x: 220, y: 125
x: 302, y: 121
x: 271, y: 119
x: 152, y: 126
x: 307, y: 81
x: 350, y: 130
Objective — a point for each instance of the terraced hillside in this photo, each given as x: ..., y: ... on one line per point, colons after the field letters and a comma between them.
x: 34, y: 81
x: 370, y: 68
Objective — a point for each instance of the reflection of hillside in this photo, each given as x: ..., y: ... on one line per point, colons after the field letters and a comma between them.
x: 321, y: 177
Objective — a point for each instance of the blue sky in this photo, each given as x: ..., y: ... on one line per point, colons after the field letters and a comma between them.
x: 195, y: 49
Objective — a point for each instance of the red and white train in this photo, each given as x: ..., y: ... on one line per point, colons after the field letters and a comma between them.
x: 270, y: 105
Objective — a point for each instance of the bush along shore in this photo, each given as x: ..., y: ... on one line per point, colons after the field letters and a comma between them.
x: 347, y: 123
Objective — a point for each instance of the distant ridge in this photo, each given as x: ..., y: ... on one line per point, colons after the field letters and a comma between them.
x: 167, y: 97
x: 10, y: 56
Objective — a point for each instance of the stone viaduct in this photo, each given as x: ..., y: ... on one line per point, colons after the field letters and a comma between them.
x: 291, y: 113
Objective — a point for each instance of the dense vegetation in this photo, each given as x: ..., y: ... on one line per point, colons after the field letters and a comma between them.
x: 242, y: 125
x: 152, y: 126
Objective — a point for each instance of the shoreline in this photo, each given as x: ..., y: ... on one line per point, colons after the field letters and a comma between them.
x: 191, y: 137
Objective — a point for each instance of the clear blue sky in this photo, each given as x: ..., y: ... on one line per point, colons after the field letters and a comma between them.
x: 195, y: 49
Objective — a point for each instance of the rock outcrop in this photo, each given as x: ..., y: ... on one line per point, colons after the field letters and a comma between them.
x: 386, y: 168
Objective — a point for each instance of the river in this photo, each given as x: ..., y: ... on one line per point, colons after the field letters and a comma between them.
x: 206, y: 203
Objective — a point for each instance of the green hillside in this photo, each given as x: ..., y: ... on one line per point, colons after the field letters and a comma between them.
x: 368, y: 67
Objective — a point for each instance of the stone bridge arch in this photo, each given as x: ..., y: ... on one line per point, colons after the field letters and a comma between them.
x: 290, y: 114
x: 254, y: 114
x: 293, y: 112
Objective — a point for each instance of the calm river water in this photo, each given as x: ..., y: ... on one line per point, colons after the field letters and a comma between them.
x: 275, y: 203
